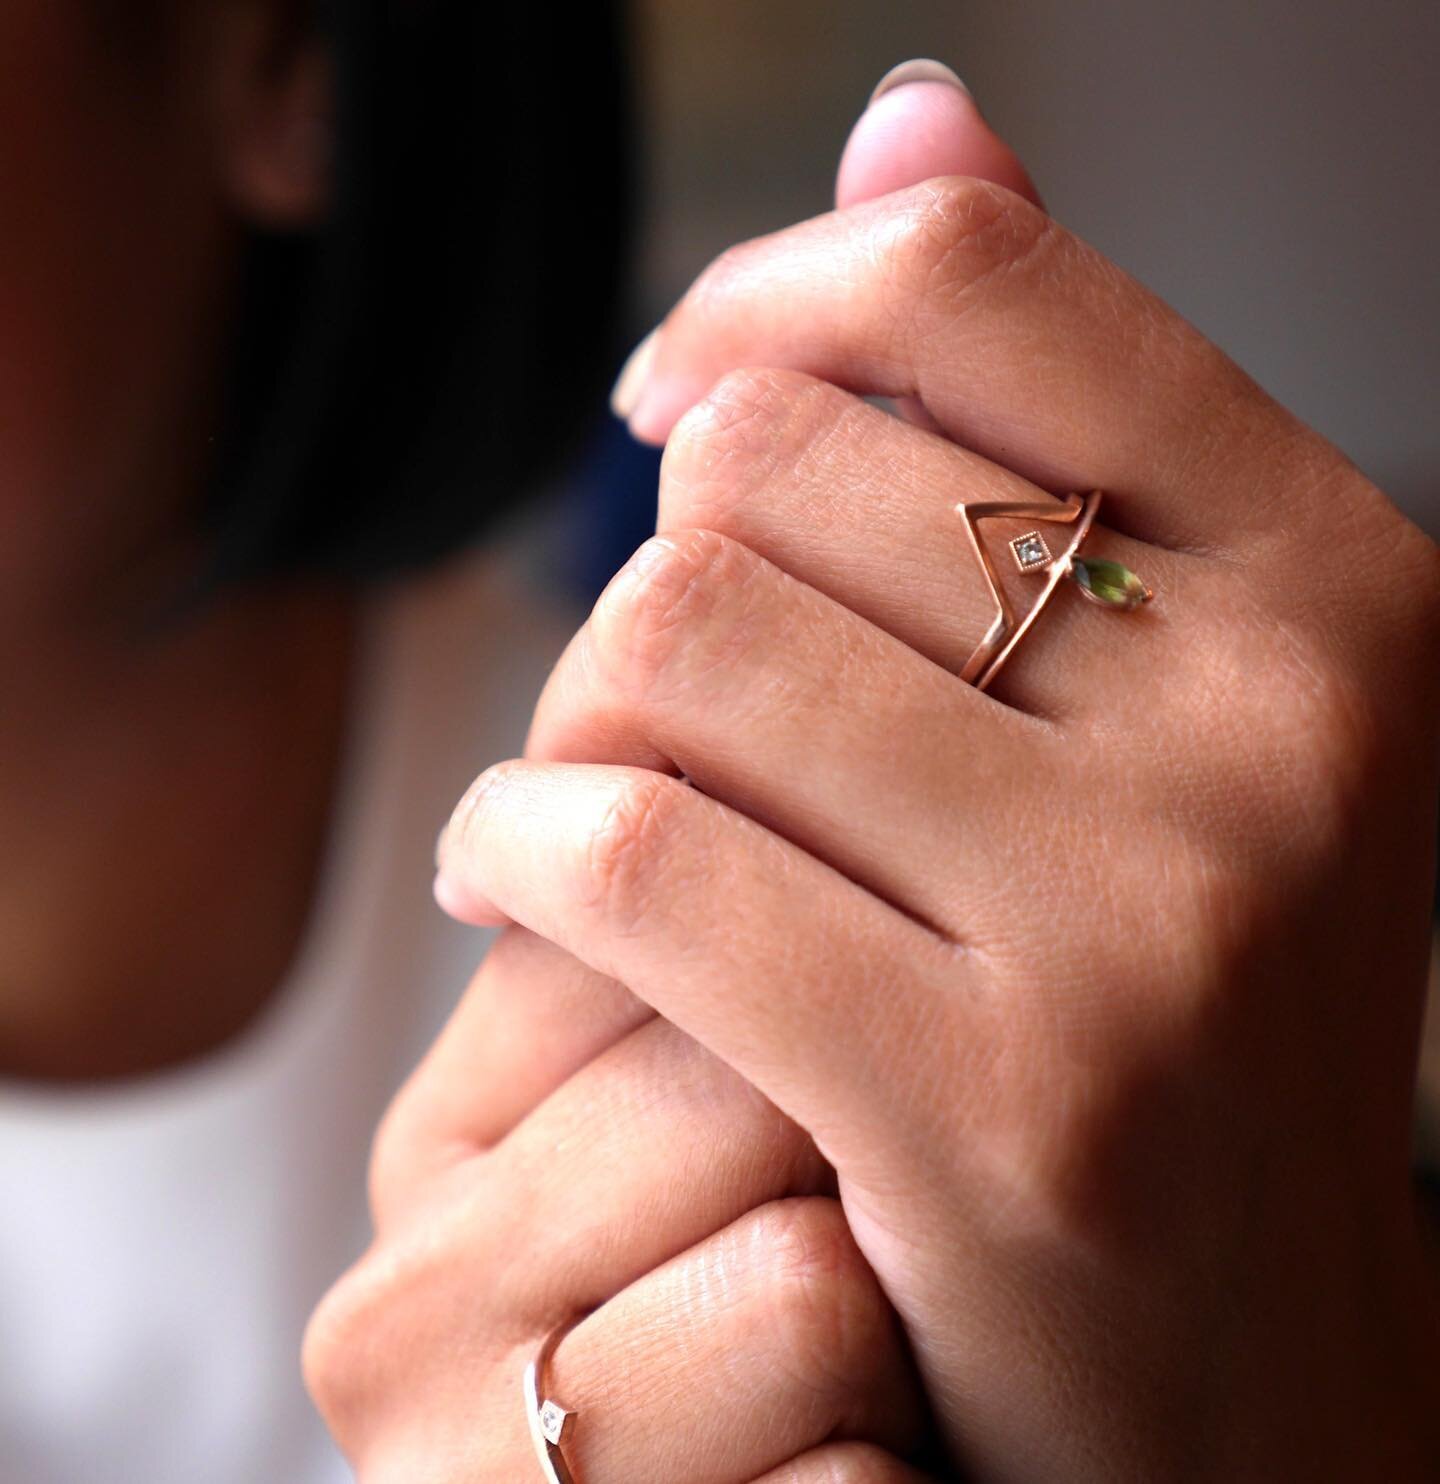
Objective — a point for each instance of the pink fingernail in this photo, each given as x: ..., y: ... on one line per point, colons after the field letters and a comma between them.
x: 918, y: 69
x: 633, y: 375
x: 465, y: 906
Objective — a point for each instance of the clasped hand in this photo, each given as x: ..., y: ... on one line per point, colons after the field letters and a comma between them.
x: 1058, y: 1037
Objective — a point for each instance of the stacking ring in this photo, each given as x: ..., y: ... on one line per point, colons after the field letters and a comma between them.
x: 1102, y: 581
x: 551, y: 1425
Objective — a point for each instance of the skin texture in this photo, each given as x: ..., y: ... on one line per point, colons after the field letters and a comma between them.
x: 1101, y: 991
x: 462, y: 1175
x: 732, y: 1323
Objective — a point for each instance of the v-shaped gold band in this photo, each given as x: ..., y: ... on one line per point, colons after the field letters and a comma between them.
x: 547, y: 1450
x: 1004, y: 633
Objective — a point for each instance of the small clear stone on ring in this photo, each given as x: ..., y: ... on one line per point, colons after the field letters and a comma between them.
x: 1030, y: 550
x: 552, y: 1421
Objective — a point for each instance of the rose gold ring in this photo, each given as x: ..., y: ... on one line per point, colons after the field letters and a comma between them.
x: 551, y: 1425
x: 1102, y: 581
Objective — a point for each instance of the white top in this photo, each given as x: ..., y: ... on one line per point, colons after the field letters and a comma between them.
x: 162, y: 1242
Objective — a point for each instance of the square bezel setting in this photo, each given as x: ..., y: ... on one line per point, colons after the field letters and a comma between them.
x: 553, y: 1421
x: 1030, y: 551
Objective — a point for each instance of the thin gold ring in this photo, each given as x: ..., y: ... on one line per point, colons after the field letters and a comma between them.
x: 1102, y: 581
x: 551, y: 1425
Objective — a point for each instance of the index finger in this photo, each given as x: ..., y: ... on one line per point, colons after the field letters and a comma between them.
x: 1023, y: 343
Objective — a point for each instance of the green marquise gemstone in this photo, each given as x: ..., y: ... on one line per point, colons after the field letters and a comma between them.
x: 1108, y: 582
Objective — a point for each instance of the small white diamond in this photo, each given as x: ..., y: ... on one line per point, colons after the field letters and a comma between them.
x: 552, y: 1421
x: 1030, y: 550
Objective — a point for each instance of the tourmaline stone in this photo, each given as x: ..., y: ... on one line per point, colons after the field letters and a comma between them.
x: 1109, y: 582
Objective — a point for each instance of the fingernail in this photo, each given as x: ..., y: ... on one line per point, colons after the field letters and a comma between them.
x: 918, y: 69
x: 457, y: 901
x: 633, y: 376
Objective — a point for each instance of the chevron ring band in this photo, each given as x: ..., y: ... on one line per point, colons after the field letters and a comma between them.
x: 1101, y: 581
x: 550, y: 1424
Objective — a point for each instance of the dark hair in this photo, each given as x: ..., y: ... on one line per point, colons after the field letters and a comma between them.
x: 401, y: 378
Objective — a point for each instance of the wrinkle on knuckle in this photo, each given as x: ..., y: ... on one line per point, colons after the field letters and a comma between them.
x: 822, y: 1301
x: 723, y: 280
x: 621, y: 867
x: 959, y: 232
x: 752, y: 426
x: 343, y: 1346
x: 394, y: 1308
x: 850, y: 1463
x: 676, y: 611
x: 467, y: 819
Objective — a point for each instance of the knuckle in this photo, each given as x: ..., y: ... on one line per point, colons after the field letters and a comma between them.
x: 465, y: 819
x: 671, y: 613
x: 703, y: 1094
x: 373, y: 1342
x: 621, y: 867
x: 387, y: 1175
x: 1303, y: 747
x: 342, y: 1347
x: 404, y: 1157
x: 725, y: 277
x: 822, y: 1303
x: 753, y: 425
x: 845, y: 1463
x: 1395, y: 627
x: 958, y: 231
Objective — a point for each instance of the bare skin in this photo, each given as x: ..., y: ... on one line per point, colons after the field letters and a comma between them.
x: 1100, y: 991
x: 129, y: 748
x: 124, y: 951
x: 1118, y: 1099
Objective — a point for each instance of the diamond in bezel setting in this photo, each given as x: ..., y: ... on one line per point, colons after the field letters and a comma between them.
x: 1030, y: 551
x: 552, y: 1421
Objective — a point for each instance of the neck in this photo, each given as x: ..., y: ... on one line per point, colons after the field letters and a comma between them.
x: 163, y: 808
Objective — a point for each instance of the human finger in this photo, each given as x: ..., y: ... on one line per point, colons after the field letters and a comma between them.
x: 845, y: 1463
x: 599, y: 1162
x: 647, y: 1149
x: 632, y: 872
x: 1024, y: 343
x: 922, y: 121
x: 756, y: 1344
x: 784, y: 1308
x: 699, y: 632
x: 531, y: 1018
x: 861, y: 507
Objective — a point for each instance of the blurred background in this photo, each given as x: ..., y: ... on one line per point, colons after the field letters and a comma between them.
x: 1267, y: 167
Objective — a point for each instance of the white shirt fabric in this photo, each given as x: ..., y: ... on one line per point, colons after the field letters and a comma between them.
x: 162, y: 1242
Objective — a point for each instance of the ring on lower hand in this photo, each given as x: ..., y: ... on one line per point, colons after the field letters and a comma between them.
x: 551, y: 1424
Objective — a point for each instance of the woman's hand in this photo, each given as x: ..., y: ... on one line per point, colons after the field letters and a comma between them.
x: 536, y: 1169
x: 1099, y: 990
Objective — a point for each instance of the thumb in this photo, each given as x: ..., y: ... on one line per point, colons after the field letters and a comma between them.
x: 921, y: 121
